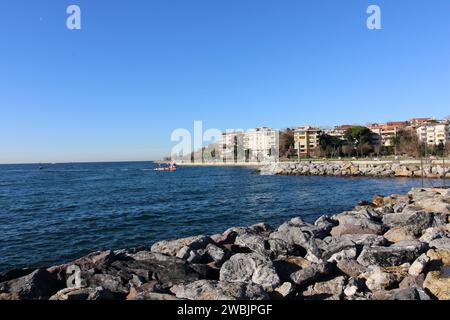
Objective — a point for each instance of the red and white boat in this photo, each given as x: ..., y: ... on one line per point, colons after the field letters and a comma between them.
x: 170, y: 167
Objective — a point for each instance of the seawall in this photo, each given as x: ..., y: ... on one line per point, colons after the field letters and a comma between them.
x: 359, y: 168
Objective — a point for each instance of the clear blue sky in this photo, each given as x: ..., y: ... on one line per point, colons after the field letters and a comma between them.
x: 137, y: 70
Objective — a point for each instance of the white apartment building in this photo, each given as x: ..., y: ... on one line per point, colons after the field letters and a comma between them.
x: 434, y: 134
x: 261, y: 144
x: 231, y: 144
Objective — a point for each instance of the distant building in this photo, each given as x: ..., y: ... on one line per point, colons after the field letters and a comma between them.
x: 306, y: 140
x: 338, y: 131
x: 387, y: 131
x: 418, y: 122
x: 230, y: 145
x: 261, y: 144
x: 434, y: 134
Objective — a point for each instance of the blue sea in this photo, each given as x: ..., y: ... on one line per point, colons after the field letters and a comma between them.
x: 65, y: 211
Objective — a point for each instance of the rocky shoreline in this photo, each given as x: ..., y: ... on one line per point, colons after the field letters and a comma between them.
x: 355, y: 169
x: 391, y: 248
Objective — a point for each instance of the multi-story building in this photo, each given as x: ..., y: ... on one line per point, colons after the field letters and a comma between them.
x: 419, y: 122
x: 230, y: 144
x: 339, y: 131
x: 434, y: 134
x: 386, y: 131
x: 261, y: 144
x: 306, y: 140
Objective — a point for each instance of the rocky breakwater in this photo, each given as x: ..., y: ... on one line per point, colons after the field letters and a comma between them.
x: 354, y: 169
x: 394, y: 247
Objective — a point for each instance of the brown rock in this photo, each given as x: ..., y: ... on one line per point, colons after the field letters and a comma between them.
x: 398, y: 234
x: 351, y: 268
x: 437, y: 280
x: 378, y: 201
x: 326, y: 290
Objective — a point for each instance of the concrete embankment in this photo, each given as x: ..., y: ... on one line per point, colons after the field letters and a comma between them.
x: 389, y: 248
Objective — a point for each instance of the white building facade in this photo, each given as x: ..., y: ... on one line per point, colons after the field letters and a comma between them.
x: 261, y: 144
x: 434, y: 134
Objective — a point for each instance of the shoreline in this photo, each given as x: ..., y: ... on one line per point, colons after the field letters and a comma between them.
x: 393, y: 247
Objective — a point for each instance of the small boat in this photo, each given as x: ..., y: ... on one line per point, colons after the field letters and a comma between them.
x: 170, y: 167
x: 165, y: 169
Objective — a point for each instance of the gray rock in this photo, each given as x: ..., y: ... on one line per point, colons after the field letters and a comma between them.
x: 297, y: 233
x: 347, y: 254
x: 250, y: 267
x: 271, y: 247
x: 216, y: 253
x: 395, y: 255
x: 333, y: 245
x: 326, y: 223
x: 154, y: 296
x: 311, y: 274
x: 442, y: 243
x: 154, y: 266
x: 412, y: 293
x: 109, y: 282
x: 172, y: 247
x: 219, y: 290
x: 418, y: 220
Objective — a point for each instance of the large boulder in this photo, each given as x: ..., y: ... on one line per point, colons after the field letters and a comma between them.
x: 394, y: 255
x: 350, y: 267
x: 270, y: 247
x: 398, y: 234
x: 219, y: 290
x: 313, y: 273
x: 155, y: 266
x: 356, y: 222
x: 298, y: 233
x: 252, y: 268
x: 441, y: 243
x: 410, y: 293
x: 286, y: 266
x: 417, y: 221
x: 419, y: 265
x: 436, y: 204
x: 332, y: 289
x: 38, y: 285
x: 437, y: 280
x: 172, y: 247
x: 378, y: 278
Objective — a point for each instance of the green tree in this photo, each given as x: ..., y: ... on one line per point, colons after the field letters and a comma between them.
x: 406, y: 142
x: 286, y: 142
x: 361, y: 138
x: 330, y: 145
